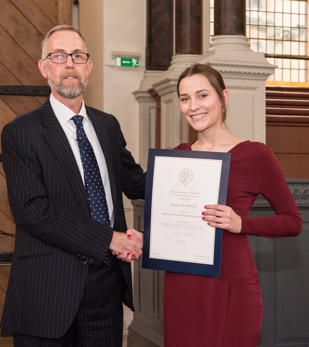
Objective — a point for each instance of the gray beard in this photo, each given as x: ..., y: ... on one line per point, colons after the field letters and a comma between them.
x: 70, y: 92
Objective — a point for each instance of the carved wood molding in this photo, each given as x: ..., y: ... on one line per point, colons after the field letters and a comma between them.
x: 299, y: 190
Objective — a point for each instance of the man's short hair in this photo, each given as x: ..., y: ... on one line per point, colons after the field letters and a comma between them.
x: 61, y: 27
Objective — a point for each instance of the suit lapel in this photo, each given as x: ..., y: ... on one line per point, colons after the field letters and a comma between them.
x: 58, y: 141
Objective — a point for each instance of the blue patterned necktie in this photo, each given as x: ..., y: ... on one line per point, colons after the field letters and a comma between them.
x: 93, y: 181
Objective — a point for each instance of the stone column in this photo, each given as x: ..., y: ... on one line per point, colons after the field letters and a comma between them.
x: 188, y: 45
x: 243, y: 70
x: 188, y: 33
x: 159, y: 48
x: 147, y: 115
x: 230, y: 17
x: 159, y: 51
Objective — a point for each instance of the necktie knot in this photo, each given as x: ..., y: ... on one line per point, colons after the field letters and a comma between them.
x: 80, y: 131
x: 78, y: 121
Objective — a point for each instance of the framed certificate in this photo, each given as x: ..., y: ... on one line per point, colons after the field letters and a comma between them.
x: 179, y: 184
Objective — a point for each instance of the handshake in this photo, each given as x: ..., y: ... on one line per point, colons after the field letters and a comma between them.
x: 127, y: 246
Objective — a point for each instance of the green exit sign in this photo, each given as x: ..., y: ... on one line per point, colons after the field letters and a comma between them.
x: 129, y: 62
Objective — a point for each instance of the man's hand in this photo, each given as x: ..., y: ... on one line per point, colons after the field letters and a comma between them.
x: 127, y: 247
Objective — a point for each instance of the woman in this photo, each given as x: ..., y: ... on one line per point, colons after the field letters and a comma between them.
x: 205, y: 311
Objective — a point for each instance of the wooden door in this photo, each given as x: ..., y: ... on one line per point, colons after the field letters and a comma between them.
x: 23, y: 25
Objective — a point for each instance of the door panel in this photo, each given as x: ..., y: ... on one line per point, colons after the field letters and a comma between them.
x: 23, y: 25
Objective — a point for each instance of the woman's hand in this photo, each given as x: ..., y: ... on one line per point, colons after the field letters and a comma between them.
x: 221, y: 216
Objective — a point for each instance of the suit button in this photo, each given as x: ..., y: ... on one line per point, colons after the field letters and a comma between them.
x: 84, y: 262
x: 90, y: 260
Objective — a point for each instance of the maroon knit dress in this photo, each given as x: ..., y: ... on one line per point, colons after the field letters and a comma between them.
x: 203, y: 311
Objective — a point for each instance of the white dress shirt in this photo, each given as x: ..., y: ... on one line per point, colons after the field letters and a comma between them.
x: 64, y: 115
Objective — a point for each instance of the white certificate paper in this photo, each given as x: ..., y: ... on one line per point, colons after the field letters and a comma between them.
x: 181, y: 189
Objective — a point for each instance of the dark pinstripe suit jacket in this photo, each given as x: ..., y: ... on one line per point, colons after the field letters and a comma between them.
x: 53, y: 224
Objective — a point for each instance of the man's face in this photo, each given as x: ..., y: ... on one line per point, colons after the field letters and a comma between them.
x: 68, y: 79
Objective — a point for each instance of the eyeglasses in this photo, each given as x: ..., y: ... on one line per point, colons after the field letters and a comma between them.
x: 61, y: 58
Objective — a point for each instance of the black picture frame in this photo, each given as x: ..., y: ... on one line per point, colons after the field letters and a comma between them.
x: 183, y: 266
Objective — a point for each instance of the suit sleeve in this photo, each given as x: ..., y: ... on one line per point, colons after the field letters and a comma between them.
x: 133, y: 177
x: 287, y: 221
x: 35, y: 214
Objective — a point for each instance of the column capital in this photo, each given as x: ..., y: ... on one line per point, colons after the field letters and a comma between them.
x: 142, y: 96
x: 232, y: 55
x: 168, y: 80
x: 150, y: 77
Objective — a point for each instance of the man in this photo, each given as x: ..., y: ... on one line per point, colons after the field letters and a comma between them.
x: 65, y: 288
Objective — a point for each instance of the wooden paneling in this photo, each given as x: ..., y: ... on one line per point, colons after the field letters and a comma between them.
x: 288, y: 138
x: 18, y: 62
x: 23, y: 25
x: 6, y: 78
x: 287, y: 128
x: 294, y: 165
x: 6, y: 216
x: 4, y: 275
x: 64, y: 11
x: 20, y: 104
x: 20, y: 29
x: 40, y: 99
x: 6, y: 113
x: 35, y: 15
x: 6, y: 242
x: 50, y: 8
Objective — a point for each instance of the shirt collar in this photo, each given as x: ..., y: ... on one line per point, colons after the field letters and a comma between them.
x: 63, y: 113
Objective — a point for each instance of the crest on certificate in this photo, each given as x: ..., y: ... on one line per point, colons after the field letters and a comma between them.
x: 185, y: 176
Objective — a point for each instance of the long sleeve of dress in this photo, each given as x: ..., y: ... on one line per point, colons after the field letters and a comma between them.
x: 272, y: 185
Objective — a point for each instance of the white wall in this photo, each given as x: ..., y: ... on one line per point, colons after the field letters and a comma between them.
x: 124, y: 31
x: 115, y: 26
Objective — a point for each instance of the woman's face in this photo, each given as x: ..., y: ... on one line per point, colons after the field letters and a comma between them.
x: 200, y: 103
